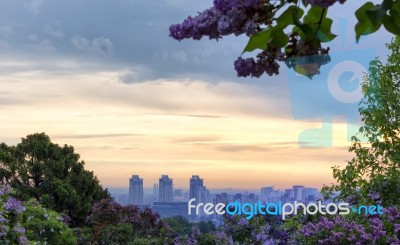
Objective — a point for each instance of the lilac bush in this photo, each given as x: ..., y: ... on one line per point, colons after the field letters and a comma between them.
x: 354, y: 229
x: 11, y: 231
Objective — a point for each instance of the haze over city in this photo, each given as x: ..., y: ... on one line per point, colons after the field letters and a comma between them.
x: 131, y: 100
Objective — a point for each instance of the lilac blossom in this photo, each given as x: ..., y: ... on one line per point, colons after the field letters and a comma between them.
x: 13, y: 205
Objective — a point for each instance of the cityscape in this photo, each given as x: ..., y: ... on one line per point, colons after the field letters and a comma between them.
x: 168, y: 201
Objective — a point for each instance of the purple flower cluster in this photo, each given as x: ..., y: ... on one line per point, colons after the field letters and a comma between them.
x: 5, y: 190
x: 13, y: 205
x: 340, y: 230
x: 224, y: 18
x: 324, y: 3
x: 255, y: 68
x: 10, y: 226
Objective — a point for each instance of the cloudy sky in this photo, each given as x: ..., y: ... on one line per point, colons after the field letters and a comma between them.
x: 105, y: 77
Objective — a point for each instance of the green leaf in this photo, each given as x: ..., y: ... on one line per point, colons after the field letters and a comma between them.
x: 391, y: 23
x: 289, y: 16
x: 259, y: 40
x: 364, y: 25
x: 375, y: 15
x: 324, y: 33
x: 279, y: 38
x: 314, y: 15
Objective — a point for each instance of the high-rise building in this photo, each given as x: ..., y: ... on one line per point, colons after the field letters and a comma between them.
x: 136, y: 190
x: 165, y: 189
x: 267, y: 191
x: 298, y: 193
x: 196, y: 184
x: 198, y: 190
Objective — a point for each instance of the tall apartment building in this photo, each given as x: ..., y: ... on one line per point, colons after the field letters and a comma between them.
x: 266, y: 192
x: 136, y: 190
x: 198, y: 190
x: 165, y: 189
x: 298, y: 193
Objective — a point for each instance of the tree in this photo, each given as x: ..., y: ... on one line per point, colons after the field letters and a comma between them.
x: 45, y: 225
x: 179, y: 225
x: 52, y: 174
x: 282, y: 30
x: 373, y: 175
x: 112, y: 223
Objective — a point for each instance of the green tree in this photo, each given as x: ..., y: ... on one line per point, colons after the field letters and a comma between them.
x: 112, y: 223
x: 373, y: 175
x: 206, y: 226
x: 45, y: 226
x: 52, y: 174
x: 179, y: 225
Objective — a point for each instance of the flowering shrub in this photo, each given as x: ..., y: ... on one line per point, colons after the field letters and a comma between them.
x: 45, y: 226
x: 11, y: 230
x: 113, y: 223
x: 30, y: 223
x: 365, y: 229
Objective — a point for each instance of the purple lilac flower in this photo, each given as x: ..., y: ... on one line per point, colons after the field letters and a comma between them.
x: 13, y: 205
x: 243, y: 222
x: 224, y: 18
x: 23, y: 240
x: 19, y: 229
x: 2, y: 219
x: 5, y: 190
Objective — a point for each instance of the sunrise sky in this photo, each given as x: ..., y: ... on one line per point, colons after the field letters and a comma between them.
x: 105, y: 77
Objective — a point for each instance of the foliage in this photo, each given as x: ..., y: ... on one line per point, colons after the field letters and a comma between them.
x: 206, y: 226
x: 30, y: 223
x: 283, y: 31
x: 364, y: 229
x: 373, y: 175
x: 238, y: 230
x: 11, y: 230
x: 112, y: 223
x: 53, y: 174
x: 45, y: 226
x: 179, y: 224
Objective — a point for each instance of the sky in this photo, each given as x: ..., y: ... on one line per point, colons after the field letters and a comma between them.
x: 105, y: 77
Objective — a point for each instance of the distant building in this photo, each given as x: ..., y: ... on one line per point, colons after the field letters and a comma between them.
x: 221, y: 198
x: 198, y: 190
x: 165, y: 189
x: 298, y: 193
x: 169, y: 209
x: 135, y: 190
x: 310, y: 195
x: 238, y: 197
x: 178, y: 195
x: 252, y: 198
x: 267, y: 191
x: 288, y: 196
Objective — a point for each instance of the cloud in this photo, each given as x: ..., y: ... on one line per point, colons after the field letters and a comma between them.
x: 93, y: 136
x: 239, y: 148
x: 34, y: 6
x: 100, y: 45
x: 54, y: 33
x: 109, y: 147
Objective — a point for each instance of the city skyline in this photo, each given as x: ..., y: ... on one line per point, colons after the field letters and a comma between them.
x: 195, y: 181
